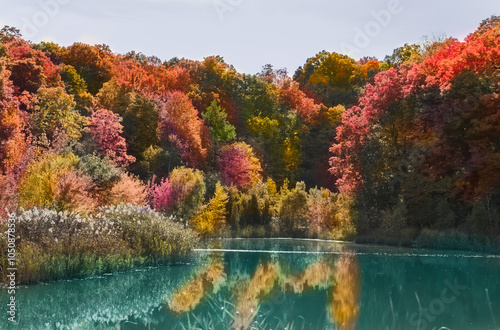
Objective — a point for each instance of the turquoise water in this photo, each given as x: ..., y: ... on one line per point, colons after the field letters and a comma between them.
x: 277, y: 284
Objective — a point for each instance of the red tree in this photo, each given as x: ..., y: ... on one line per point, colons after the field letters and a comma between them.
x: 388, y: 88
x: 234, y: 167
x: 106, y: 128
x: 181, y: 126
x: 30, y: 68
x: 297, y: 100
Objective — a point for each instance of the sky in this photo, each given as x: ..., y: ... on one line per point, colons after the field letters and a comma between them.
x: 247, y: 33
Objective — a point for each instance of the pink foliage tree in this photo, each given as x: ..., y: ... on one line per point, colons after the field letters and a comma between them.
x: 234, y: 167
x: 106, y: 128
x: 162, y: 196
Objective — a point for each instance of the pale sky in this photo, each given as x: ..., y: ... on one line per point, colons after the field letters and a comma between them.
x: 247, y: 33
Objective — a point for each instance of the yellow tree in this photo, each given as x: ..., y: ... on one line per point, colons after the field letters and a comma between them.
x: 212, y: 217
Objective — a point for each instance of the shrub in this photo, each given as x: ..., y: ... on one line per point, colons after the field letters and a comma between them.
x: 39, y: 183
x: 161, y: 196
x: 457, y: 240
x: 54, y: 245
x: 255, y: 207
x: 47, y: 227
x: 128, y: 190
x: 74, y: 192
x: 395, y: 220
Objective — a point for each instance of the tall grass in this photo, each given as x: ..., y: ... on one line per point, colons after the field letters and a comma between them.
x: 53, y: 245
x: 457, y: 240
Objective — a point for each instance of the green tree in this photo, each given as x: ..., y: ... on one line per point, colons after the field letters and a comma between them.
x: 221, y: 129
x: 55, y: 111
x: 403, y: 54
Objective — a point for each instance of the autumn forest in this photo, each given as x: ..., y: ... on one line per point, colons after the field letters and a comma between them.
x: 109, y: 161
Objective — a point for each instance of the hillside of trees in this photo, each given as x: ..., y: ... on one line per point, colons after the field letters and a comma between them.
x: 338, y: 149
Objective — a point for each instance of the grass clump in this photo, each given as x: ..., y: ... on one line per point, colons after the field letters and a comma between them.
x: 456, y: 240
x: 53, y: 245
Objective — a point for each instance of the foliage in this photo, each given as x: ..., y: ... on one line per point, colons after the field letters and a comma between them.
x: 297, y: 100
x: 235, y: 167
x: 148, y: 232
x: 55, y: 110
x: 74, y: 193
x: 262, y: 126
x: 405, y: 54
x: 239, y: 166
x: 220, y: 128
x: 388, y: 88
x: 106, y: 129
x: 319, y: 211
x: 8, y: 34
x: 292, y: 210
x: 411, y: 143
x: 30, y: 68
x: 140, y: 120
x: 331, y: 76
x: 345, y: 218
x: 212, y: 217
x: 74, y: 83
x: 128, y: 190
x: 189, y: 188
x: 181, y: 126
x: 157, y: 161
x: 99, y: 169
x: 38, y: 185
x: 13, y: 142
x: 94, y: 64
x: 161, y: 196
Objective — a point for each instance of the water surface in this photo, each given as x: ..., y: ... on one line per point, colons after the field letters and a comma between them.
x: 278, y: 284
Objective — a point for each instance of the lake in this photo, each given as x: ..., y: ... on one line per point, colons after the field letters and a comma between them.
x: 278, y: 284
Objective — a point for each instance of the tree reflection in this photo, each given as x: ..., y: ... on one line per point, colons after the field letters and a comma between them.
x: 317, y: 275
x: 191, y: 294
x: 344, y: 308
x: 251, y: 292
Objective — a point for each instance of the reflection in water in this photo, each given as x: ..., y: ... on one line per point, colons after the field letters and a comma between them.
x: 191, y: 294
x: 316, y: 276
x: 252, y: 292
x: 346, y: 293
x: 276, y: 290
